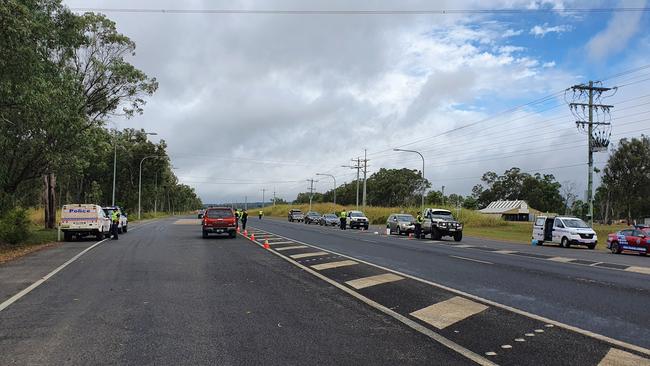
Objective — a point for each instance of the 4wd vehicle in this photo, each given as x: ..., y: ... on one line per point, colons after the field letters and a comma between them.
x: 400, y: 223
x: 123, y: 224
x: 564, y: 230
x: 312, y: 217
x: 219, y: 220
x: 295, y: 215
x: 81, y: 220
x: 356, y: 219
x: 439, y: 223
x: 634, y: 240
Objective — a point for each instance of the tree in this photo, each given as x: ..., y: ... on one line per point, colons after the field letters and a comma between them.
x: 396, y: 187
x: 433, y: 198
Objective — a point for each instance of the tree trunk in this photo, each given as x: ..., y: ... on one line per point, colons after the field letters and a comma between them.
x: 607, y: 209
x: 49, y: 200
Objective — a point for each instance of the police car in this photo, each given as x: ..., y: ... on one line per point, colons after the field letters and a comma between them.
x: 633, y: 240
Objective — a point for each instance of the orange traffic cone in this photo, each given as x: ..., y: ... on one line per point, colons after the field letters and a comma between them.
x: 237, y: 229
x: 253, y: 237
x: 246, y: 233
x: 266, y: 244
x: 410, y: 235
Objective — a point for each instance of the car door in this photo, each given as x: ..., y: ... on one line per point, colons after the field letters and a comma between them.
x: 538, y: 228
x: 558, y: 230
x: 633, y: 238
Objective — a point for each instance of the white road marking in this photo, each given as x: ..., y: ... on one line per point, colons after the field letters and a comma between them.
x: 322, y: 266
x: 464, y: 246
x: 292, y: 247
x: 539, y: 330
x: 477, y: 298
x: 490, y: 353
x: 503, y: 251
x: 520, y: 340
x: 561, y: 259
x: 506, y: 346
x: 595, y: 264
x: 364, y: 282
x: 448, y: 312
x: 470, y: 259
x: 307, y: 255
x: 644, y: 270
x: 616, y: 357
x: 280, y: 242
x: 369, y: 241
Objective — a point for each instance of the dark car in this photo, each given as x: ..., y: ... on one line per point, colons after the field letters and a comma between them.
x: 219, y: 220
x: 312, y: 217
x: 329, y: 220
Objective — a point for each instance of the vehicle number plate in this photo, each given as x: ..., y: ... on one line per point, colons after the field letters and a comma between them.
x: 452, y: 229
x: 219, y: 231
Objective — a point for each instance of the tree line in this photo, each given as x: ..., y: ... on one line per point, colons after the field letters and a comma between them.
x: 62, y: 77
x: 622, y: 194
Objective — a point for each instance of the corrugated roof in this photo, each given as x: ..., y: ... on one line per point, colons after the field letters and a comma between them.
x: 502, y: 207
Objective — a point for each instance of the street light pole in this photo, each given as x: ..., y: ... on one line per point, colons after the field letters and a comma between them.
x: 417, y: 152
x: 330, y: 175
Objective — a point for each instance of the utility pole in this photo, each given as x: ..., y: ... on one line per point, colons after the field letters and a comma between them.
x: 443, y: 195
x: 311, y: 190
x: 273, y: 197
x: 365, y: 172
x: 334, y: 178
x: 598, y: 132
x: 245, y: 202
x: 263, y: 193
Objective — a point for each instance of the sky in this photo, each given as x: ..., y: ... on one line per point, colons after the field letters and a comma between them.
x: 265, y: 101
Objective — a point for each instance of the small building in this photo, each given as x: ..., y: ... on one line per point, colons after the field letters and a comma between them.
x: 511, y: 210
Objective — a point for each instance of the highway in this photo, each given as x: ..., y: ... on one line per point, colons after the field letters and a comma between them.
x: 163, y: 295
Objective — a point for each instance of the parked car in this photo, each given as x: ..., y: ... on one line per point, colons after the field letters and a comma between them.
x: 82, y: 220
x: 438, y: 223
x: 400, y: 223
x: 295, y: 215
x: 200, y: 214
x: 356, y: 219
x: 219, y: 220
x: 634, y: 240
x: 312, y: 217
x: 564, y: 230
x: 329, y: 220
x: 123, y: 224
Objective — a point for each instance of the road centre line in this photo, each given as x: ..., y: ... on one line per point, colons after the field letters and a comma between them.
x: 34, y: 285
x: 470, y: 259
x: 410, y: 323
x: 572, y: 328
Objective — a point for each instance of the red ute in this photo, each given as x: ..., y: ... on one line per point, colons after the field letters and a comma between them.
x: 219, y: 220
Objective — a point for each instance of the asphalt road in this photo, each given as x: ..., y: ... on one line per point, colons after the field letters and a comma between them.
x: 162, y: 295
x: 603, y: 299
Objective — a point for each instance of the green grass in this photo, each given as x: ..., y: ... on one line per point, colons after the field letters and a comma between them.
x: 39, y: 238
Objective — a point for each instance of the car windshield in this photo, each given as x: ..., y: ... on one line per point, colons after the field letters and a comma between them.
x: 356, y: 214
x: 405, y: 218
x: 575, y: 223
x: 330, y: 216
x: 218, y: 214
x: 442, y: 215
x: 313, y: 214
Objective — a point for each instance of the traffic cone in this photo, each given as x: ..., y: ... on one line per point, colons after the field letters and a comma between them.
x: 246, y: 233
x: 237, y: 229
x: 410, y: 235
x: 253, y: 237
x: 266, y: 244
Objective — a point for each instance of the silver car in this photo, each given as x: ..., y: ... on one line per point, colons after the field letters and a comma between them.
x: 400, y: 224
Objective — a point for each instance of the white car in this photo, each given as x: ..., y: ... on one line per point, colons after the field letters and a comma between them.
x: 356, y: 219
x: 563, y: 230
x: 123, y: 224
x: 81, y: 220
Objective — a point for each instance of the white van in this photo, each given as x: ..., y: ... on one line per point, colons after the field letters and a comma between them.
x: 81, y: 220
x: 563, y: 230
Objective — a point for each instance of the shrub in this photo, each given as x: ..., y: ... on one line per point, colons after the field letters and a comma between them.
x: 14, y: 226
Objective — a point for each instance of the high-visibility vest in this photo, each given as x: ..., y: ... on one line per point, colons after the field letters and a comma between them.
x: 115, y: 217
x: 343, y: 214
x: 261, y: 213
x: 419, y: 219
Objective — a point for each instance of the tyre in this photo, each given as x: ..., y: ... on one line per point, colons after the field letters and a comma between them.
x: 205, y: 234
x: 67, y: 236
x: 458, y: 236
x: 615, y: 248
x: 591, y: 246
x: 125, y: 228
x: 565, y: 243
x: 100, y: 235
x: 435, y: 234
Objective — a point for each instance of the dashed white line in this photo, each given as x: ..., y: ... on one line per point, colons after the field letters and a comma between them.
x: 470, y: 259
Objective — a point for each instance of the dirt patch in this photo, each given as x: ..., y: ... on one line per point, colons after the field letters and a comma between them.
x: 9, y: 253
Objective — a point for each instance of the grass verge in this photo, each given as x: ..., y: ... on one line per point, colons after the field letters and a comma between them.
x: 39, y: 238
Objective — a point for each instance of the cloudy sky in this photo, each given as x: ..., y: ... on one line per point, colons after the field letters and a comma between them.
x: 262, y: 101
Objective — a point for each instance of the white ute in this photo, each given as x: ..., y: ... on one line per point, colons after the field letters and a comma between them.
x: 81, y: 220
x: 563, y: 230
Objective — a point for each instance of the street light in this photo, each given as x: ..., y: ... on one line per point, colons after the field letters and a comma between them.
x: 115, y: 161
x: 330, y: 175
x: 140, y: 180
x: 416, y: 152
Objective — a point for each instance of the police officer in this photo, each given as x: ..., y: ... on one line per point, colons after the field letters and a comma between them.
x: 115, y: 222
x: 418, y: 225
x: 343, y: 216
x: 237, y: 218
x: 260, y: 214
x: 244, y: 218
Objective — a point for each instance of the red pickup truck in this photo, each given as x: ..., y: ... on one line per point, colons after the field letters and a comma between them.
x: 219, y: 220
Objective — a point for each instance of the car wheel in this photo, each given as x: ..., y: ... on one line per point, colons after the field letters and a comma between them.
x: 565, y: 243
x: 125, y: 228
x: 458, y: 236
x: 435, y: 234
x: 67, y: 237
x: 591, y: 246
x: 205, y: 234
x: 615, y: 248
x: 100, y: 235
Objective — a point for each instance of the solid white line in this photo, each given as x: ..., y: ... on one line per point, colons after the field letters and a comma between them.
x: 572, y: 328
x: 470, y: 259
x: 34, y: 285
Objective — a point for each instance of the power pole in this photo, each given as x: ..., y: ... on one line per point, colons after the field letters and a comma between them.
x: 357, y: 166
x: 263, y: 192
x: 598, y: 132
x: 365, y: 172
x: 311, y: 190
x: 443, y: 195
x: 245, y: 202
x: 273, y: 197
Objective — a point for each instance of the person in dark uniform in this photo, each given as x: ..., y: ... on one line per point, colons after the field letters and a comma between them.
x: 260, y: 214
x: 418, y: 225
x: 236, y: 218
x: 343, y: 216
x: 244, y: 218
x: 115, y: 222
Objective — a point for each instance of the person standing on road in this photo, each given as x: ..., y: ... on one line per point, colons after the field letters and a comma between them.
x: 115, y: 222
x: 343, y: 216
x: 260, y: 214
x: 237, y: 218
x: 244, y: 219
x: 418, y: 225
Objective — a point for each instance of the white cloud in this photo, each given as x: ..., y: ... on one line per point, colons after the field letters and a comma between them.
x: 620, y: 28
x: 548, y: 64
x: 540, y: 31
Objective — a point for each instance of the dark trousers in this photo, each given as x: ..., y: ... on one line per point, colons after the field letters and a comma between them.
x: 236, y: 221
x: 418, y: 230
x: 260, y: 217
x: 114, y: 230
x: 243, y: 224
x: 343, y: 223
